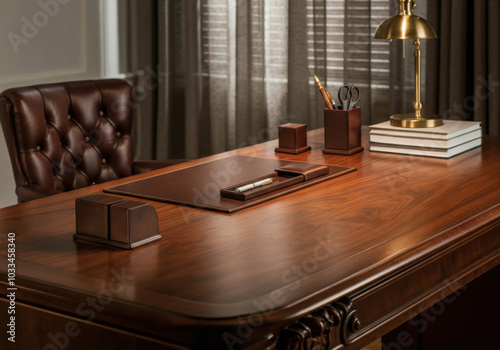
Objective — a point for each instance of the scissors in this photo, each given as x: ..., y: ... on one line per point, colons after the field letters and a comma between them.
x: 346, y: 96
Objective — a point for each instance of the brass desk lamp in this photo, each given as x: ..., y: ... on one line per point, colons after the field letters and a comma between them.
x: 405, y: 25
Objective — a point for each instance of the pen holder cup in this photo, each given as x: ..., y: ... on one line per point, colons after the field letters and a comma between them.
x: 342, y: 131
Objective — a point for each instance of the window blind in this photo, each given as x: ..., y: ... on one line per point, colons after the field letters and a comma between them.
x: 340, y: 39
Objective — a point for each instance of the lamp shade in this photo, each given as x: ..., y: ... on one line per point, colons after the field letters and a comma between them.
x: 405, y: 27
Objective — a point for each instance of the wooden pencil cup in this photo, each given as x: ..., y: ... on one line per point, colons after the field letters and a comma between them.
x: 342, y: 131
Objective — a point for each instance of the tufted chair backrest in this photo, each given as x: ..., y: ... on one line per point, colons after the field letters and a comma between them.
x: 70, y: 135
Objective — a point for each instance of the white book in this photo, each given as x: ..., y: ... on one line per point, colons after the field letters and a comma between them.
x: 449, y: 129
x: 426, y: 152
x: 426, y: 141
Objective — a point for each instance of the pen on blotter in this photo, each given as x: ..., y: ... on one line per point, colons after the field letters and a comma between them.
x: 254, y: 185
x: 323, y: 93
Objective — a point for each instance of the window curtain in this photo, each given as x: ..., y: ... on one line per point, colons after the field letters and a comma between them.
x: 215, y: 75
x: 463, y: 79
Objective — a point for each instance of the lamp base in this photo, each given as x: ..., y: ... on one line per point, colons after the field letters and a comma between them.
x: 409, y: 120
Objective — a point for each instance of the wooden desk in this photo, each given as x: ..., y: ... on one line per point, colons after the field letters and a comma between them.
x: 339, y: 263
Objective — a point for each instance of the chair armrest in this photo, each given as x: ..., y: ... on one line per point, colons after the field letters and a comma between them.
x: 143, y: 166
x: 29, y: 192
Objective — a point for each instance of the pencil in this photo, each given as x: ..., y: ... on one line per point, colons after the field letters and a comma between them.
x: 323, y: 93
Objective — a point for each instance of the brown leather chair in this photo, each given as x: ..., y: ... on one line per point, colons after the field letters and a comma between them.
x: 70, y: 135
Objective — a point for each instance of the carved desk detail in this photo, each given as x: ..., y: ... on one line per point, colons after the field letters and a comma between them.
x: 325, y: 328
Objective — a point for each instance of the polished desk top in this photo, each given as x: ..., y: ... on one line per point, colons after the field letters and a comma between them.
x: 283, y: 258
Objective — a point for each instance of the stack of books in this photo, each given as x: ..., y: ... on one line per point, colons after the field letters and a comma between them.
x: 445, y: 141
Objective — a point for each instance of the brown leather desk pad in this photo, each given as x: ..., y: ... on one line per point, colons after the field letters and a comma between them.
x: 200, y: 185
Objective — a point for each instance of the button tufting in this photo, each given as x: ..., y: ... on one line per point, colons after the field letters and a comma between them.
x: 87, y: 139
x: 101, y: 113
x: 118, y: 134
x: 103, y: 161
x: 38, y: 148
x: 69, y: 117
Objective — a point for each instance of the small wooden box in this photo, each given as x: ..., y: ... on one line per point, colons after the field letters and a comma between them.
x: 133, y: 223
x: 92, y: 214
x: 292, y: 138
x: 342, y: 131
x: 114, y: 221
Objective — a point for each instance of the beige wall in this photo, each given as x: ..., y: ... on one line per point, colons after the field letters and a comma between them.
x: 53, y: 40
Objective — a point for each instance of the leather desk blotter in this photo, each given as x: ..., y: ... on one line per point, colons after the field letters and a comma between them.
x: 200, y: 186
